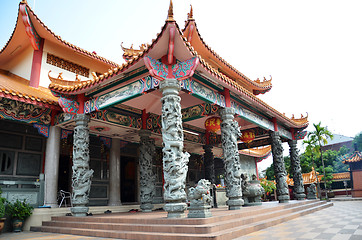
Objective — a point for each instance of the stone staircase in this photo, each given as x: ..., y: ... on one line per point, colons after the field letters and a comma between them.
x: 224, y: 224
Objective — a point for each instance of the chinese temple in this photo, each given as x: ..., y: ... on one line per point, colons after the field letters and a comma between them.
x: 354, y: 161
x: 138, y: 132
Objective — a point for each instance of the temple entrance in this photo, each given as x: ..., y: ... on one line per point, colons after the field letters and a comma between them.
x: 128, y: 179
x: 64, y: 179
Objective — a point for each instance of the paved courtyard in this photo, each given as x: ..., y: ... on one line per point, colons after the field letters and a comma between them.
x: 343, y: 221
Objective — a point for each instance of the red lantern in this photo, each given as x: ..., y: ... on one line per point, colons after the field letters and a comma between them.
x: 247, y: 136
x: 213, y: 124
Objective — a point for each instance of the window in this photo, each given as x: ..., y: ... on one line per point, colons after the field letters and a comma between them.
x: 6, y: 162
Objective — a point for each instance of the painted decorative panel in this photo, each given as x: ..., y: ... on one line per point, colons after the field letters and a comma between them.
x: 62, y: 118
x: 198, y: 111
x: 154, y: 123
x: 68, y: 103
x: 284, y: 132
x: 122, y: 94
x: 117, y: 118
x: 24, y: 112
x: 300, y: 135
x: 252, y: 117
x: 42, y: 129
x: 179, y: 71
x: 203, y: 92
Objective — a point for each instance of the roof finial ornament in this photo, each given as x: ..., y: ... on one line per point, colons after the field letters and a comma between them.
x: 170, y: 12
x: 190, y: 15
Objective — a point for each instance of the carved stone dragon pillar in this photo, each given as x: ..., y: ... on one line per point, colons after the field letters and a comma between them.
x: 298, y: 189
x: 230, y: 132
x: 209, y: 164
x: 147, y: 178
x: 81, y: 178
x: 279, y: 168
x: 174, y: 159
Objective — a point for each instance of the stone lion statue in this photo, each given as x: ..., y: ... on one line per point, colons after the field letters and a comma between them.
x: 200, y: 195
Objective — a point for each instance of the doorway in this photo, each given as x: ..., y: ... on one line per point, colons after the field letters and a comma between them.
x: 128, y: 179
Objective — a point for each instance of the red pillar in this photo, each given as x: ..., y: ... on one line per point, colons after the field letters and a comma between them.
x: 256, y: 167
x: 226, y: 94
x: 36, y: 66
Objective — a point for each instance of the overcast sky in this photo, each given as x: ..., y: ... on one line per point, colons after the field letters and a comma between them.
x: 311, y: 48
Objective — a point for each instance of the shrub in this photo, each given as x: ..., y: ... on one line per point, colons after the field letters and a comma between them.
x: 19, y: 210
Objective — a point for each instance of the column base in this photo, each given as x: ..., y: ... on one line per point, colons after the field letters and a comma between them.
x: 235, y: 203
x: 118, y: 203
x: 199, y: 212
x: 283, y: 198
x: 146, y: 207
x: 299, y: 196
x: 175, y: 210
x: 80, y: 211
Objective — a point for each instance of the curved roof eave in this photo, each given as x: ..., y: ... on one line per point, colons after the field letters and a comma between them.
x: 257, y: 87
x: 58, y: 39
x: 87, y: 85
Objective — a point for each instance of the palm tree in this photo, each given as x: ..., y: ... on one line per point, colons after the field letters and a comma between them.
x: 320, y: 135
x: 310, y: 150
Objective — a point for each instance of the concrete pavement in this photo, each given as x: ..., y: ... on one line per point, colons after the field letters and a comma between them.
x: 343, y: 221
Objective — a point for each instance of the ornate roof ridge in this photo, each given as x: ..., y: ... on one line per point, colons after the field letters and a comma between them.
x: 56, y: 86
x: 78, y: 49
x: 85, y: 84
x: 301, y: 120
x: 267, y: 85
x: 256, y: 152
x: 170, y: 13
x: 356, y: 156
x: 129, y: 53
x: 241, y: 89
x: 34, y: 96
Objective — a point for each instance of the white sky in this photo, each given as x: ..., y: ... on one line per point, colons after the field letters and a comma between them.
x: 311, y: 48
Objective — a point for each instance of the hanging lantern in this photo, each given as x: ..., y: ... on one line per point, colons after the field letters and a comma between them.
x: 247, y: 136
x: 212, y: 124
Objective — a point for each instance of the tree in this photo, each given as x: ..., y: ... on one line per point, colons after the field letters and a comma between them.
x: 320, y: 135
x: 311, y: 151
x: 358, y: 141
x: 338, y: 165
x: 270, y: 175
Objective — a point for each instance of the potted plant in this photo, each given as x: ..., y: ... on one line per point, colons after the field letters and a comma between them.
x: 2, y: 211
x: 269, y: 187
x: 19, y: 211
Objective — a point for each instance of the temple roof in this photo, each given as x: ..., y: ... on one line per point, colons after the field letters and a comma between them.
x: 186, y: 50
x: 256, y: 152
x: 309, y: 178
x: 46, y: 33
x: 355, y: 157
x: 17, y: 88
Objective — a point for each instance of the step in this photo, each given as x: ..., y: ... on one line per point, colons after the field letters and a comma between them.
x: 205, y: 228
x: 228, y: 228
x: 148, y: 218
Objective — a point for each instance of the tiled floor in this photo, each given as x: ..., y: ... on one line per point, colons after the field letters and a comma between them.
x: 343, y: 221
x: 26, y: 235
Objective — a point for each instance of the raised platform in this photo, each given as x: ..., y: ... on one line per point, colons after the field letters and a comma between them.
x: 224, y: 224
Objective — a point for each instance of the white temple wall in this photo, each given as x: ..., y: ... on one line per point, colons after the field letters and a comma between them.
x: 71, y: 56
x: 21, y: 64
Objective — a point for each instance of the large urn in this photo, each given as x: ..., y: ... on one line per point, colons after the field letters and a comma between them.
x: 252, y: 192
